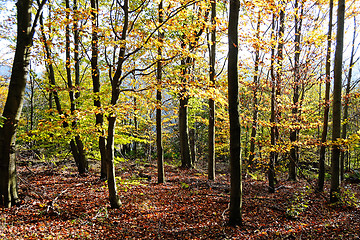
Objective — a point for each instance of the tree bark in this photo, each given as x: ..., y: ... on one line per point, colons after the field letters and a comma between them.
x: 116, y: 81
x: 14, y: 102
x: 294, y: 151
x: 321, y: 177
x: 211, y: 131
x: 255, y: 96
x: 159, y: 147
x: 337, y: 87
x: 95, y: 74
x: 183, y: 117
x: 83, y: 166
x: 186, y: 62
x: 235, y: 208
x: 273, y: 153
x: 347, y: 102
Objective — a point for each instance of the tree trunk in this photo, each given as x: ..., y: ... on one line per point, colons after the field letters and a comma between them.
x: 335, y: 154
x: 211, y: 131
x: 186, y: 62
x: 235, y: 208
x: 83, y: 162
x: 113, y: 197
x: 76, y: 145
x: 95, y: 74
x: 116, y: 81
x: 50, y: 69
x: 294, y: 151
x: 14, y: 103
x: 255, y: 96
x: 183, y: 116
x: 321, y: 178
x: 347, y: 101
x: 279, y: 70
x: 159, y: 147
x: 184, y: 131
x: 273, y: 153
x: 192, y: 141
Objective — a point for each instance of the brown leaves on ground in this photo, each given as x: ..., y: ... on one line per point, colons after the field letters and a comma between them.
x: 59, y: 204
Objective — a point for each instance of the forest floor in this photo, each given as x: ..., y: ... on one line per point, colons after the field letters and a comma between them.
x: 57, y: 203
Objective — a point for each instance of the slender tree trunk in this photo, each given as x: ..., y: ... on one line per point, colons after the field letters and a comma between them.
x: 279, y: 70
x: 14, y: 103
x: 73, y: 147
x: 74, y: 143
x: 192, y: 141
x: 186, y: 62
x: 335, y: 154
x: 113, y: 197
x: 347, y: 101
x: 95, y: 74
x: 83, y: 163
x: 235, y: 208
x: 321, y: 178
x: 255, y: 96
x: 159, y: 147
x: 136, y: 128
x: 184, y: 133
x: 273, y: 153
x: 211, y: 131
x: 116, y: 81
x: 50, y: 68
x: 32, y: 88
x: 183, y: 118
x: 294, y: 151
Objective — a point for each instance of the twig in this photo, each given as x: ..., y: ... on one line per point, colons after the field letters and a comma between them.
x: 50, y: 205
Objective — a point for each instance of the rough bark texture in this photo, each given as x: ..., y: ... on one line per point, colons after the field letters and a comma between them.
x: 14, y: 103
x: 335, y: 154
x: 321, y: 178
x: 159, y: 147
x: 211, y: 131
x: 235, y: 213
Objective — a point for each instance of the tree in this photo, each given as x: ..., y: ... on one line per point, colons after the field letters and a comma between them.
x: 294, y: 151
x: 159, y: 147
x: 337, y: 86
x: 321, y: 178
x: 76, y: 144
x: 235, y: 215
x: 95, y: 74
x: 211, y: 131
x: 255, y: 94
x: 189, y: 39
x: 14, y: 101
x: 347, y: 101
x: 273, y: 112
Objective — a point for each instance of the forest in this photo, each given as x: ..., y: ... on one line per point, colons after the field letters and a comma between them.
x: 179, y: 119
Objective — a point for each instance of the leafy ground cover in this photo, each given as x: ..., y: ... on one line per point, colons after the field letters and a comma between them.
x: 57, y: 203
